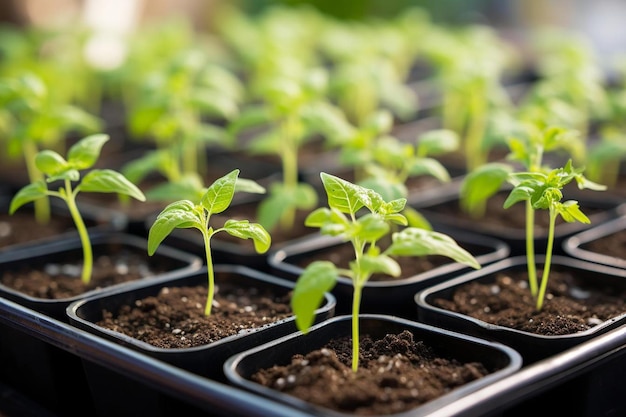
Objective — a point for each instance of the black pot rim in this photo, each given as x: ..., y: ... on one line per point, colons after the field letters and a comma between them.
x: 240, y: 269
x: 572, y: 245
x: 193, y: 262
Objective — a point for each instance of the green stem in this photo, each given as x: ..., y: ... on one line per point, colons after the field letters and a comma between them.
x: 210, y: 271
x: 42, y: 205
x: 475, y: 131
x: 289, y: 156
x: 548, y: 261
x: 70, y: 198
x: 530, y: 248
x: 356, y: 304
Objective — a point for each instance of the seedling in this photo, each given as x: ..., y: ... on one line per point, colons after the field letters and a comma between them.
x: 529, y: 151
x: 81, y: 156
x: 292, y: 111
x: 543, y: 191
x: 186, y: 214
x: 393, y: 162
x: 365, y: 232
x: 32, y: 118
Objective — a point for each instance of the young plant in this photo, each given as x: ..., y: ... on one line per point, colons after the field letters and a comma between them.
x: 30, y: 118
x: 81, y: 156
x: 544, y: 191
x: 186, y: 214
x: 393, y: 162
x: 293, y: 110
x: 365, y: 233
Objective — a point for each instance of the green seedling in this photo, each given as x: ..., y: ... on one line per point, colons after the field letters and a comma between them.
x: 293, y: 110
x: 81, y: 156
x: 527, y: 151
x: 186, y: 214
x: 544, y: 191
x: 30, y: 118
x: 469, y: 63
x: 176, y: 106
x: 393, y: 162
x: 365, y: 233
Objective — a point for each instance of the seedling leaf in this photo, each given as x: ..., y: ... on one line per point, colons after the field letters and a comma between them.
x: 109, y: 181
x: 243, y: 229
x: 220, y: 194
x: 85, y: 153
x: 180, y: 214
x: 28, y: 193
x: 317, y: 279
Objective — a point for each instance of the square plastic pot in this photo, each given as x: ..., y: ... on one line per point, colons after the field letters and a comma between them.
x: 533, y: 347
x: 500, y: 360
x: 205, y: 360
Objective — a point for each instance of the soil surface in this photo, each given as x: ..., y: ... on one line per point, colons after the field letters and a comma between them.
x: 175, y: 318
x: 61, y: 278
x: 20, y: 228
x: 610, y: 245
x: 568, y: 308
x: 395, y: 374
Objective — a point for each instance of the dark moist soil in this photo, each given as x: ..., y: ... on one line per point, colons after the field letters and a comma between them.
x: 62, y: 280
x: 568, y: 306
x: 175, y: 318
x: 21, y: 228
x: 610, y: 245
x: 395, y: 374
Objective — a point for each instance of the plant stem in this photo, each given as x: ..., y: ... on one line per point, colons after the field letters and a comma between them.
x: 70, y: 199
x: 530, y: 248
x: 356, y: 304
x: 546, y: 267
x: 210, y: 271
x: 475, y: 130
x: 289, y: 156
x: 42, y: 205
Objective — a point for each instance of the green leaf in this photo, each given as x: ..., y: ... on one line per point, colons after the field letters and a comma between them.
x: 84, y: 153
x: 429, y: 166
x: 415, y: 219
x: 271, y: 210
x: 437, y: 142
x: 381, y: 264
x: 304, y: 196
x: 570, y: 212
x: 371, y: 227
x: 318, y: 217
x: 109, y: 181
x: 243, y: 229
x: 344, y: 196
x: 482, y: 183
x: 220, y: 194
x: 244, y: 185
x: 28, y: 193
x: 180, y: 214
x: 419, y: 242
x: 50, y: 163
x: 317, y: 279
x: 517, y: 194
